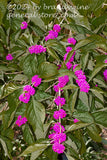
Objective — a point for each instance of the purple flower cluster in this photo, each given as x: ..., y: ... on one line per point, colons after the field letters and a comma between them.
x: 36, y: 81
x: 59, y: 148
x: 62, y: 82
x: 24, y: 25
x: 81, y: 81
x: 71, y: 41
x: 20, y: 121
x: 105, y: 75
x: 59, y: 114
x: 36, y: 49
x: 76, y: 120
x: 57, y: 137
x: 105, y: 61
x: 9, y: 57
x: 60, y: 101
x: 56, y: 28
x: 29, y: 89
x: 27, y: 92
x: 53, y: 33
x: 68, y: 64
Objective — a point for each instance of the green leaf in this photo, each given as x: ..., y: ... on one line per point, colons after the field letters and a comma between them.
x: 100, y: 117
x: 37, y: 147
x: 99, y: 41
x: 37, y: 30
x: 82, y: 21
x: 35, y: 114
x: 84, y: 98
x: 13, y: 102
x: 41, y: 96
x: 82, y: 43
x: 72, y: 100
x: 9, y: 88
x: 93, y: 132
x: 80, y: 106
x: 3, y: 5
x: 27, y: 134
x: 77, y: 126
x: 84, y: 116
x: 70, y: 86
x: 57, y: 46
x: 2, y: 34
x: 29, y: 65
x: 78, y: 29
x: 97, y: 94
x: 47, y: 70
x: 97, y: 21
x: 96, y: 70
x: 50, y: 153
x: 4, y: 146
x: 36, y: 154
x: 84, y: 59
x: 52, y: 53
x: 8, y: 133
x: 63, y: 72
x: 20, y: 77
x: 81, y: 138
x: 41, y: 58
x: 72, y: 152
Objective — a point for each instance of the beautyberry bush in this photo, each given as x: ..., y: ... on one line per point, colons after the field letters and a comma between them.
x: 53, y: 80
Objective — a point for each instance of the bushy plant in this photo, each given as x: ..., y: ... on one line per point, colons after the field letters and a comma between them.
x: 53, y: 79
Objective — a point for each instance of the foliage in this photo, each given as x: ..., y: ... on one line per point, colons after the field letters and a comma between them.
x: 88, y: 27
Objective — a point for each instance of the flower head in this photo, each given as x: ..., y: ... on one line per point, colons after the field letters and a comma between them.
x: 68, y: 49
x: 57, y: 28
x: 24, y: 25
x: 60, y: 101
x: 68, y: 65
x: 54, y: 33
x: 9, y: 57
x: 76, y: 120
x: 36, y: 81
x: 63, y: 81
x: 21, y: 120
x: 71, y: 41
x: 59, y: 114
x: 36, y: 49
x: 58, y: 128
x: 57, y: 137
x: 31, y: 49
x: 24, y: 97
x: 84, y: 86
x: 59, y: 148
x: 29, y: 89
